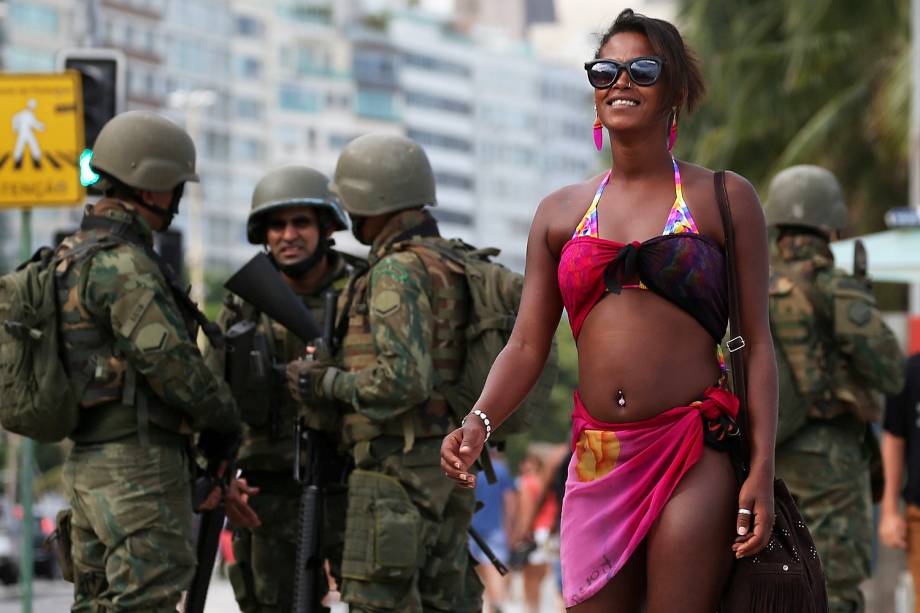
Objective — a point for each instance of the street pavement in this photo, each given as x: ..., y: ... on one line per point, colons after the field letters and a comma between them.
x: 888, y: 592
x: 56, y: 596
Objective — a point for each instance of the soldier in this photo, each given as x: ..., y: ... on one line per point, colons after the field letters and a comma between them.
x: 833, y: 352
x: 405, y: 541
x: 127, y: 330
x: 293, y: 214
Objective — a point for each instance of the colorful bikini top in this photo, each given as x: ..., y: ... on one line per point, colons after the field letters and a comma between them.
x: 681, y: 265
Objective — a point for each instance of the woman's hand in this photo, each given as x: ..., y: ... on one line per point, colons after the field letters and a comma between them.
x: 460, y: 449
x: 755, y: 515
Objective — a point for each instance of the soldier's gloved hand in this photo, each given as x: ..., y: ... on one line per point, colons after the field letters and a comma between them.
x: 219, y: 445
x: 310, y: 382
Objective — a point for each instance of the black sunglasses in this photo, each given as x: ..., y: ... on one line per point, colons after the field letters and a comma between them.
x: 643, y: 71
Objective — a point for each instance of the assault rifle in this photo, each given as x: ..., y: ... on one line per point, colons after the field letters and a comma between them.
x: 212, y: 522
x: 259, y: 284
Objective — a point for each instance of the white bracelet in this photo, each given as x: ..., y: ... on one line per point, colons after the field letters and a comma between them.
x: 485, y: 421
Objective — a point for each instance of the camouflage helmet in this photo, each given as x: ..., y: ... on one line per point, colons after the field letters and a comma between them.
x: 808, y: 196
x: 383, y: 173
x: 291, y: 186
x: 145, y: 151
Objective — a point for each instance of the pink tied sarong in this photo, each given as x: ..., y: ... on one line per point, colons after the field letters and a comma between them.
x: 620, y: 478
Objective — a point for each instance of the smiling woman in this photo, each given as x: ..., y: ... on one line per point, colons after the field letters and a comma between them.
x: 635, y: 255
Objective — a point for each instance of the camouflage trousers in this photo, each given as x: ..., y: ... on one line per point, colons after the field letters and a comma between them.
x: 131, y: 526
x: 264, y: 571
x: 826, y: 466
x: 406, y: 533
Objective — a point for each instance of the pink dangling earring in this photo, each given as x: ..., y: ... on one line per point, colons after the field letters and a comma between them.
x: 672, y: 136
x: 598, y: 134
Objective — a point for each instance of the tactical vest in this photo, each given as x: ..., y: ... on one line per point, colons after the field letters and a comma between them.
x: 449, y: 301
x: 854, y: 317
x: 266, y: 406
x: 801, y: 320
x: 110, y: 386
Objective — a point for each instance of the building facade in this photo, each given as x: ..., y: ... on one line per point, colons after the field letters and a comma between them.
x: 293, y: 81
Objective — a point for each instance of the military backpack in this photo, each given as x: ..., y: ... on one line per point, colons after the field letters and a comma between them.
x: 495, y: 296
x: 36, y: 396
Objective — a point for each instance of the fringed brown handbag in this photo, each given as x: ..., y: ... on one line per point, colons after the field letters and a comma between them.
x: 786, y: 576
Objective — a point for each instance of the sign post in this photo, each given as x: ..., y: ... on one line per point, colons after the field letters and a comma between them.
x: 26, y: 453
x: 41, y: 140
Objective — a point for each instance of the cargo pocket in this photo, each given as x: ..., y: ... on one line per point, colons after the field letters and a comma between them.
x: 382, y: 530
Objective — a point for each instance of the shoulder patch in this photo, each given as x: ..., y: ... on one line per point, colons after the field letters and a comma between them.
x: 859, y: 313
x: 130, y: 319
x: 152, y: 337
x: 386, y: 302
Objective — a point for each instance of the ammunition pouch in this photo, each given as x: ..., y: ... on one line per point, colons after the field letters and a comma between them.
x: 383, y: 540
x: 60, y: 543
x: 250, y: 373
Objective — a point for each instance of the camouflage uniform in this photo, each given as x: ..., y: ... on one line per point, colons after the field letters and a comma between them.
x: 405, y: 542
x: 145, y: 388
x: 833, y: 352
x: 405, y: 319
x: 263, y: 575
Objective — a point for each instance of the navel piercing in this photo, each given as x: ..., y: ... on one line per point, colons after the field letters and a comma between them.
x: 621, y: 398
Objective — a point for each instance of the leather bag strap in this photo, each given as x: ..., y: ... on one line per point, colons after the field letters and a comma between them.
x: 736, y: 339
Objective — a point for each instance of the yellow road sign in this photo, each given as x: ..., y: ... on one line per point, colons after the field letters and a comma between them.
x: 41, y: 138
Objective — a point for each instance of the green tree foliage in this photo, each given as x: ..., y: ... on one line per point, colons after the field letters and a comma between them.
x: 824, y: 82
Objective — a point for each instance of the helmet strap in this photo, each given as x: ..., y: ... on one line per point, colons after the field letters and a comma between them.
x: 166, y: 215
x: 357, y: 225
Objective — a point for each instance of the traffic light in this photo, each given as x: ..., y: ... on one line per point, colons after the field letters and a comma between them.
x: 102, y: 73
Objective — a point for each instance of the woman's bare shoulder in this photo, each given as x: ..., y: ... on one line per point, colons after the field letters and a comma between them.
x: 560, y: 211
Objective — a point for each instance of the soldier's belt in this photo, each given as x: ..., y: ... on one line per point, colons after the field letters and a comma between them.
x: 426, y: 451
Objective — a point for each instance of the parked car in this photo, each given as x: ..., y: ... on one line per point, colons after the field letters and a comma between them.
x: 44, y: 560
x: 9, y: 546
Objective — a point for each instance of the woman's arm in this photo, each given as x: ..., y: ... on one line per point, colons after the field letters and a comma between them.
x: 752, y: 260
x: 520, y: 363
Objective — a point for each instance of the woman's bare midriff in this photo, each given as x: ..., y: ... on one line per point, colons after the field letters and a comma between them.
x: 646, y: 346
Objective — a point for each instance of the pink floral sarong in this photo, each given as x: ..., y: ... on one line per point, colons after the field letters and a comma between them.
x: 620, y: 478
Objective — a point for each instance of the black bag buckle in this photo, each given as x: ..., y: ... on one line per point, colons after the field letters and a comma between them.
x: 735, y: 344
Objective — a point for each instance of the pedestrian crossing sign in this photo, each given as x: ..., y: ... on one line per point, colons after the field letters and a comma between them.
x: 41, y: 139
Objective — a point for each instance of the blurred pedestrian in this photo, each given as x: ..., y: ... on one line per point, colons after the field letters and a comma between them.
x: 493, y: 522
x: 900, y: 446
x: 536, y: 520
x: 643, y: 280
x: 833, y: 352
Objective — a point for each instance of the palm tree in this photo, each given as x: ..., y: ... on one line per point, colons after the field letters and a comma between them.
x: 824, y: 82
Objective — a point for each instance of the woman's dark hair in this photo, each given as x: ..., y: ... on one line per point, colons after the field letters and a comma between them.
x: 681, y: 69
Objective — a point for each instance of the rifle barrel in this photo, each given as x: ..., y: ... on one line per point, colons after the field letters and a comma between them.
x: 307, y: 558
x: 212, y: 522
x: 498, y: 564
